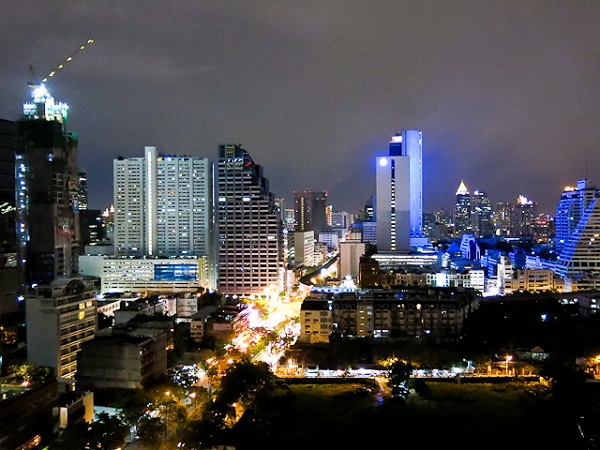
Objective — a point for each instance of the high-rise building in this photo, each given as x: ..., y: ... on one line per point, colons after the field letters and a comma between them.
x: 577, y: 242
x: 501, y: 219
x: 47, y: 190
x: 523, y: 216
x: 399, y: 194
x: 310, y: 210
x: 163, y: 206
x: 251, y: 253
x: 462, y: 211
x: 9, y: 269
x: 481, y: 214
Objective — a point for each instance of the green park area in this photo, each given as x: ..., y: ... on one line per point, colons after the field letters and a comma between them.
x: 442, y: 415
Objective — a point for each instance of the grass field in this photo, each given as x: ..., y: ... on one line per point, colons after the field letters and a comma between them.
x: 500, y: 416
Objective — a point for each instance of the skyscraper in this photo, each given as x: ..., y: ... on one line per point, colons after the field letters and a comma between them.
x: 164, y: 206
x: 523, y: 216
x: 310, y: 210
x: 60, y: 304
x: 47, y: 189
x: 251, y: 260
x: 481, y: 214
x: 577, y: 241
x: 9, y: 270
x: 399, y: 194
x: 462, y: 210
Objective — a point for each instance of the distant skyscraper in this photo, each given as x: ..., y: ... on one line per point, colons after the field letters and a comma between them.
x: 251, y: 253
x: 399, y: 193
x: 462, y: 211
x: 523, y: 216
x: 47, y: 190
x: 501, y: 219
x: 481, y: 214
x: 310, y: 209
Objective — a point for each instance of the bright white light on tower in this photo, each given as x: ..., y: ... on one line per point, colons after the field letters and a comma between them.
x: 383, y: 162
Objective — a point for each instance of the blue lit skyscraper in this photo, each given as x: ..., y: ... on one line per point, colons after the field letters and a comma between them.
x: 399, y: 194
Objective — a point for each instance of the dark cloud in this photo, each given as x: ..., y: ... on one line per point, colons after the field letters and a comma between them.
x: 506, y: 93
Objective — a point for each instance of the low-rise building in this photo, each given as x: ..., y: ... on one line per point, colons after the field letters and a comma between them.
x: 409, y: 313
x: 126, y: 356
x: 316, y: 319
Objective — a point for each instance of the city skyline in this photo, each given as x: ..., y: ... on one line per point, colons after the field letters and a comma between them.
x: 505, y: 93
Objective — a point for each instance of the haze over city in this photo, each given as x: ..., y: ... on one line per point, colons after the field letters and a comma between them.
x: 506, y: 93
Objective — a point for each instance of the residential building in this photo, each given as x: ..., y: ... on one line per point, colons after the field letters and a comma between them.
x: 60, y: 317
x: 164, y: 208
x: 316, y: 319
x: 409, y: 314
x: 251, y: 250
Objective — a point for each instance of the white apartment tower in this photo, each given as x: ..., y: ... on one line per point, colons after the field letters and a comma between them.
x: 251, y: 249
x: 163, y: 206
x: 399, y: 188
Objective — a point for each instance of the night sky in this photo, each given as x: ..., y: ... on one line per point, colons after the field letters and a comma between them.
x: 507, y: 93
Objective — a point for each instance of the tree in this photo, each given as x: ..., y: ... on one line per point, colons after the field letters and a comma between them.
x: 399, y: 373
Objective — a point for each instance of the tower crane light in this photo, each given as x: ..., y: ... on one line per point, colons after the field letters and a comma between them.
x: 34, y: 84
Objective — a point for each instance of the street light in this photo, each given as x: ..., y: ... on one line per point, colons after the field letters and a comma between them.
x: 508, y: 359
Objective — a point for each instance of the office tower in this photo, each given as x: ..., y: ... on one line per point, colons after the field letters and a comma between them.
x: 9, y: 270
x: 462, y: 211
x: 91, y: 228
x: 163, y: 205
x: 251, y: 254
x: 523, y: 216
x: 577, y: 242
x: 310, y: 210
x: 81, y: 201
x: 399, y: 197
x: 481, y: 214
x: 501, y: 219
x: 47, y: 189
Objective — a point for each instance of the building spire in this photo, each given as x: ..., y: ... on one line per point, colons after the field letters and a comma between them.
x: 462, y: 189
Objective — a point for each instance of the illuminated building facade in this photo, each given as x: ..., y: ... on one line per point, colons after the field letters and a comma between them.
x: 60, y: 317
x: 163, y: 207
x: 399, y: 194
x: 523, y: 216
x: 47, y: 191
x: 578, y: 237
x: 481, y: 214
x: 462, y: 210
x: 251, y: 253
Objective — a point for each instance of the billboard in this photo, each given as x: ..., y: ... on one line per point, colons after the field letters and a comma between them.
x: 176, y: 272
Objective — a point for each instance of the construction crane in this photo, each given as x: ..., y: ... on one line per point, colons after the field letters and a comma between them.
x: 34, y: 84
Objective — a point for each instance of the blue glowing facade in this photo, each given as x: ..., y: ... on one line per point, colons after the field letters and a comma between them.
x: 399, y: 192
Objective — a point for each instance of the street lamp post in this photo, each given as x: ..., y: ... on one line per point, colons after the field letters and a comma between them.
x: 507, y: 360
